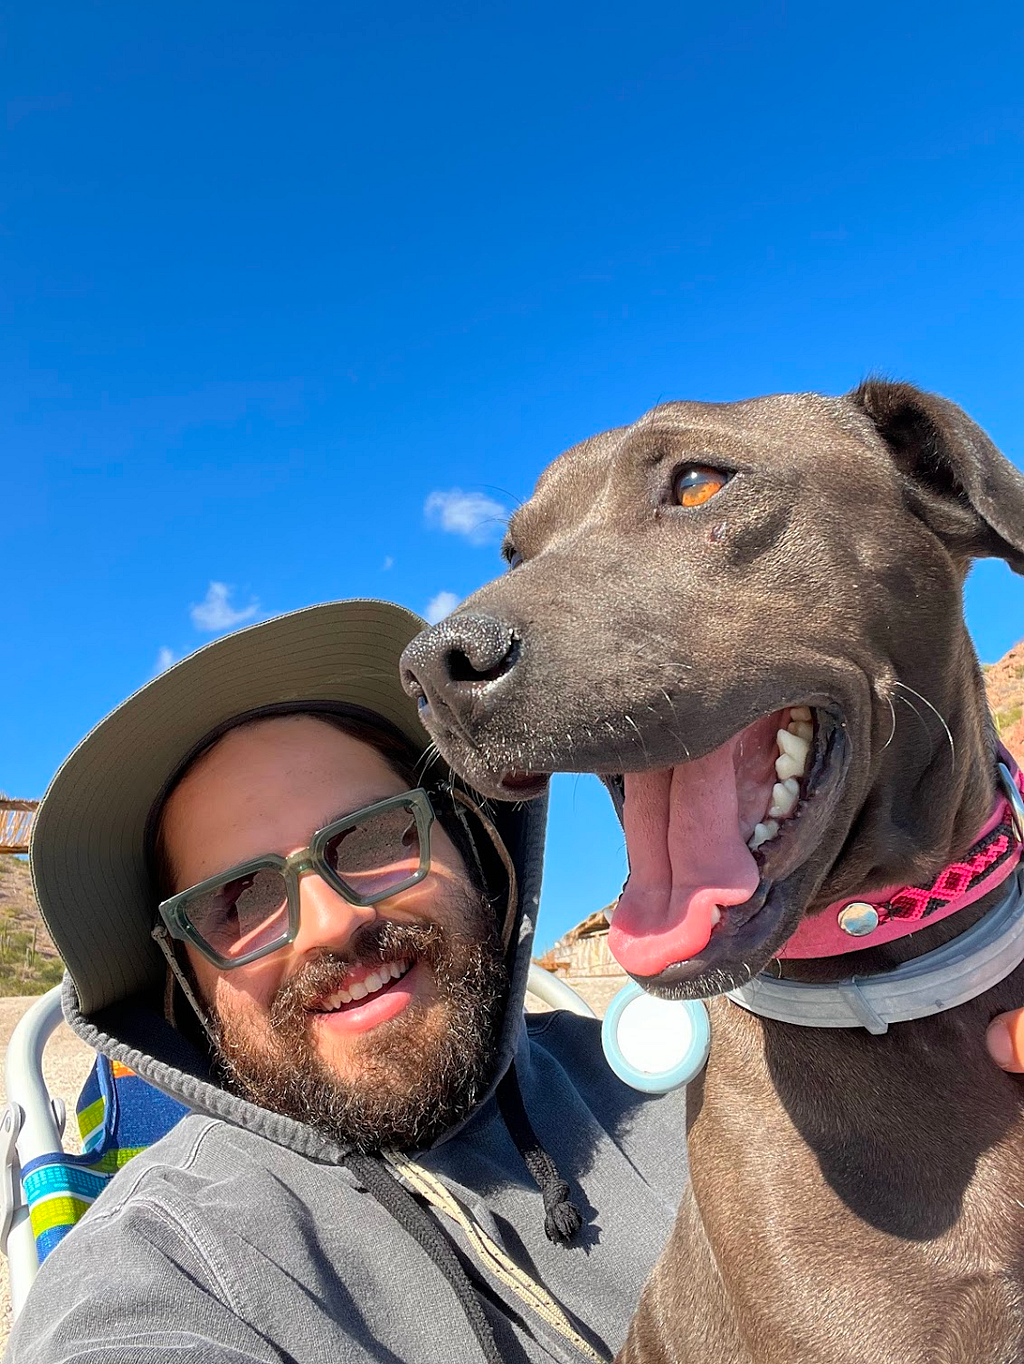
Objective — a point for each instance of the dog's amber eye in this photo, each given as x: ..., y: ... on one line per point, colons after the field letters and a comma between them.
x: 696, y: 484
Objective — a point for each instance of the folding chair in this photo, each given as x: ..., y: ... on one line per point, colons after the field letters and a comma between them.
x: 45, y: 1188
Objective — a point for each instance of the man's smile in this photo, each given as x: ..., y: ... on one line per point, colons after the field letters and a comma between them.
x: 371, y: 997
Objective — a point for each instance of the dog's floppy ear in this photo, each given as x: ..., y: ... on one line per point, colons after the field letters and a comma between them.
x: 957, y: 481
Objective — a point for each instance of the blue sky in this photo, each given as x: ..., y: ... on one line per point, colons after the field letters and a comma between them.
x: 285, y: 285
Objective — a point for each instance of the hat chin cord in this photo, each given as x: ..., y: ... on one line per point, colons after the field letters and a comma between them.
x: 459, y: 798
x: 175, y: 975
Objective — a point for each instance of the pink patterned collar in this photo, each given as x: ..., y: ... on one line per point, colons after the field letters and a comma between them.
x: 851, y: 925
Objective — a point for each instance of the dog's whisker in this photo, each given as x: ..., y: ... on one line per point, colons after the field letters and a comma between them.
x: 892, y: 710
x: 630, y: 721
x: 430, y: 755
x: 503, y: 492
x: 938, y: 716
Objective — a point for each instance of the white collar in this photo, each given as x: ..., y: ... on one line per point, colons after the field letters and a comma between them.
x: 950, y: 975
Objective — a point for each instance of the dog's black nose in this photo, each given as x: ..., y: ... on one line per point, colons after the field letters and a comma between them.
x: 460, y: 652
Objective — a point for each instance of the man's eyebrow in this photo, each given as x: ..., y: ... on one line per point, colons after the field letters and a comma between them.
x: 354, y: 810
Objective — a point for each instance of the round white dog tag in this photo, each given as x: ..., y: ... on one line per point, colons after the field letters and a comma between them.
x: 655, y: 1044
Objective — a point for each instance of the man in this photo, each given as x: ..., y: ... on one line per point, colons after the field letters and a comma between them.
x: 275, y: 906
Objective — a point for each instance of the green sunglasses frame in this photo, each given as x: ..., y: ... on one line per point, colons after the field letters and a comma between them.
x: 174, y: 911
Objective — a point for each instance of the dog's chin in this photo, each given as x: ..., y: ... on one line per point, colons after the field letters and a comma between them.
x: 493, y: 783
x: 517, y: 786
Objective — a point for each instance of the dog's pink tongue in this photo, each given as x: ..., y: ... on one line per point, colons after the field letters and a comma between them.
x: 687, y: 856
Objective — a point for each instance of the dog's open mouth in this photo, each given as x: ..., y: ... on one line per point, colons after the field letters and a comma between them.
x: 711, y: 843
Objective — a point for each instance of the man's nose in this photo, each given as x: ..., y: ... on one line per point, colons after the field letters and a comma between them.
x: 327, y: 920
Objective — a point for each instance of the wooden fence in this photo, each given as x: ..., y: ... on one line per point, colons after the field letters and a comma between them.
x: 16, y: 818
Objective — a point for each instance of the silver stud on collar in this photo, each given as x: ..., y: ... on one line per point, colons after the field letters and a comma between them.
x: 858, y: 919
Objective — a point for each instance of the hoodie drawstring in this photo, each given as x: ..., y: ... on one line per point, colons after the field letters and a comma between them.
x: 399, y: 1202
x: 562, y: 1218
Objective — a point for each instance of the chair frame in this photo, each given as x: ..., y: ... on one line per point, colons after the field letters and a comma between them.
x: 31, y: 1125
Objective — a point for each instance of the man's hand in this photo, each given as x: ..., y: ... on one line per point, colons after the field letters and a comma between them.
x: 1005, y: 1039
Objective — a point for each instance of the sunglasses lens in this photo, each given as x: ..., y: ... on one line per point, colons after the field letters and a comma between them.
x: 243, y: 914
x: 378, y: 853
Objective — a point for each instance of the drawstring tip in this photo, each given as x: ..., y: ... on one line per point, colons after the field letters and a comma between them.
x: 562, y: 1218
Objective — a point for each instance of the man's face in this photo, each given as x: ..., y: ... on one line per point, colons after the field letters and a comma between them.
x: 406, y: 1060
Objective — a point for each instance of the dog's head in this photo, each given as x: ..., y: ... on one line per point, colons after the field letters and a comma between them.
x: 747, y: 618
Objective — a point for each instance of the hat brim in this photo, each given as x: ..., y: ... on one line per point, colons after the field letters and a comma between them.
x: 88, y: 843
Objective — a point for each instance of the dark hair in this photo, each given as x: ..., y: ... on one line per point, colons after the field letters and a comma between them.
x: 400, y: 754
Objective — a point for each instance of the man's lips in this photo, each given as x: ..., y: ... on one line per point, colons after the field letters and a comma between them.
x: 370, y: 996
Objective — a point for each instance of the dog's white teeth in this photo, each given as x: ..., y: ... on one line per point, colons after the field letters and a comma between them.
x: 793, y: 754
x: 785, y: 795
x: 793, y: 745
x: 358, y: 990
x: 716, y: 915
x: 800, y: 713
x: 803, y: 729
x: 763, y: 833
x: 373, y: 983
x: 786, y: 767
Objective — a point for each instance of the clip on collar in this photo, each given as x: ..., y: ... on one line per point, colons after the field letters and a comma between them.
x: 897, y: 911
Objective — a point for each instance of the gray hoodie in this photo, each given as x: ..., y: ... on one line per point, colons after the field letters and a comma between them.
x: 244, y: 1235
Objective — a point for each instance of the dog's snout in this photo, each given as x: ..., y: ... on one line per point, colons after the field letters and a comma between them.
x: 460, y: 652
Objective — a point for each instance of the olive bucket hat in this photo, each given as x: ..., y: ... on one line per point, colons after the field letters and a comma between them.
x: 88, y: 853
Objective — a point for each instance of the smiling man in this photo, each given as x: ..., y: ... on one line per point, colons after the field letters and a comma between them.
x: 275, y: 906
x: 381, y: 1030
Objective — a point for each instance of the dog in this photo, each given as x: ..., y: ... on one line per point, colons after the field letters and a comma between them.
x: 683, y: 593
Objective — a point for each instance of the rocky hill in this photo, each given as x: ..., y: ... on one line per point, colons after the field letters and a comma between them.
x: 28, y: 960
x: 1004, y: 682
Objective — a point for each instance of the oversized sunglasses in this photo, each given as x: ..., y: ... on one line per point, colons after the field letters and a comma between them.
x: 251, y: 910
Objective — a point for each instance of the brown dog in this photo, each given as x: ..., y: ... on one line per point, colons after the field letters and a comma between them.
x: 681, y: 590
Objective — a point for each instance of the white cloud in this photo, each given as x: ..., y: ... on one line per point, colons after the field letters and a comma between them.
x: 165, y: 657
x: 388, y: 563
x: 440, y: 606
x: 475, y: 515
x: 216, y: 613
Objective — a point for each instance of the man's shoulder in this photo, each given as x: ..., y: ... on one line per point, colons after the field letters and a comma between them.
x: 205, y: 1186
x: 206, y: 1161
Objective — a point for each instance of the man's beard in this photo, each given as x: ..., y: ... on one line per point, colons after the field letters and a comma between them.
x: 413, y: 1078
